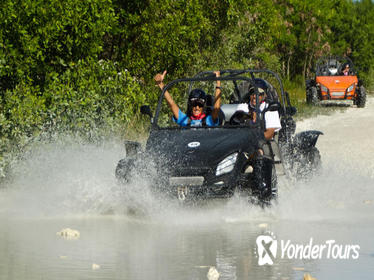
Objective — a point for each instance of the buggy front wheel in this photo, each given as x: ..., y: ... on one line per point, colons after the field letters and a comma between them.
x: 361, y: 97
x: 312, y: 96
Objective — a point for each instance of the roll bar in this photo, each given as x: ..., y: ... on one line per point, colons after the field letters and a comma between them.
x: 225, y: 75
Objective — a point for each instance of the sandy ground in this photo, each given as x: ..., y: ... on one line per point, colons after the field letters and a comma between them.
x: 348, y: 137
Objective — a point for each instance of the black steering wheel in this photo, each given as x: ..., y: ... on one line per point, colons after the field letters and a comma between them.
x: 239, y: 118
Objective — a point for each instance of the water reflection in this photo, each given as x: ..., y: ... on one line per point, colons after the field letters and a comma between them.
x: 127, y: 248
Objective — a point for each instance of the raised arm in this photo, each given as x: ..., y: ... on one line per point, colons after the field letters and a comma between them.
x: 159, y: 78
x: 217, y: 98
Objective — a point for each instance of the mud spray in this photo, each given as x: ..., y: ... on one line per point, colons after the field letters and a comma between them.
x: 70, y: 178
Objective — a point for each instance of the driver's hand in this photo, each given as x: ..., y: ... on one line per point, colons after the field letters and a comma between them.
x: 218, y: 73
x: 159, y: 78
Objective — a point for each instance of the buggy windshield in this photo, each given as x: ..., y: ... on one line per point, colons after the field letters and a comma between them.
x: 333, y: 66
x: 235, y: 85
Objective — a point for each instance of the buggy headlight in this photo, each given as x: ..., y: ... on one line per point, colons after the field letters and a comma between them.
x: 323, y: 88
x: 227, y: 164
x: 351, y: 87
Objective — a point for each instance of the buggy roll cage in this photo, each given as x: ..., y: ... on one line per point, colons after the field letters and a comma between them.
x: 323, y: 64
x: 228, y: 75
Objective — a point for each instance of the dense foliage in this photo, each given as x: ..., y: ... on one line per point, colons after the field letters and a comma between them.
x: 84, y: 66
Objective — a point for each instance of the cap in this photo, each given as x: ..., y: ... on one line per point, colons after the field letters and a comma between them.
x: 261, y: 91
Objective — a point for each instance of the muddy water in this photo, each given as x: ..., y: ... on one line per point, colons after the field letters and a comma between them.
x: 72, y: 186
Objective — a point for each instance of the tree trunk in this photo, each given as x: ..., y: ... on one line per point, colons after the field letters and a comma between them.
x: 288, y: 66
x: 304, y: 68
x: 307, y: 50
x: 309, y: 64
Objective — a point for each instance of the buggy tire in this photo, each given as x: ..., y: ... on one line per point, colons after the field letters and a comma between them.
x: 273, y: 196
x: 124, y: 169
x: 361, y: 97
x: 312, y: 96
x: 314, y: 160
x: 307, y: 164
x: 312, y: 164
x: 265, y: 187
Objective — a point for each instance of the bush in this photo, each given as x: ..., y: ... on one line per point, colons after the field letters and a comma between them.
x: 40, y: 37
x: 91, y: 99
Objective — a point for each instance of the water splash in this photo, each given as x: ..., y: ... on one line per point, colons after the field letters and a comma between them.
x: 68, y: 178
x: 71, y: 178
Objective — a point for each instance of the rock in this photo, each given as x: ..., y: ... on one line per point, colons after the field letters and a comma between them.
x: 95, y: 266
x: 69, y: 233
x: 298, y: 268
x: 336, y: 204
x: 213, y: 274
x: 307, y: 276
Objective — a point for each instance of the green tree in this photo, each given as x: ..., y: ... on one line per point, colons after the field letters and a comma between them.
x: 39, y: 37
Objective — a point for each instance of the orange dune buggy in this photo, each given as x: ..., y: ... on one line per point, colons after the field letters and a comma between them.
x: 335, y: 82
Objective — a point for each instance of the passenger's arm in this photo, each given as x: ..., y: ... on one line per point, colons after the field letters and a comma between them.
x: 217, y: 99
x: 159, y: 78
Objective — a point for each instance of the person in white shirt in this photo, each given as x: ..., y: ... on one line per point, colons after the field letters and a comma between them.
x: 271, y: 118
x: 263, y: 164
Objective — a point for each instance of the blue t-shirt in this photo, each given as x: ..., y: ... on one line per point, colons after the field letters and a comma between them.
x: 183, y: 120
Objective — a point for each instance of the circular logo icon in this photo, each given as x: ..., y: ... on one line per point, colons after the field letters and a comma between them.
x: 193, y: 144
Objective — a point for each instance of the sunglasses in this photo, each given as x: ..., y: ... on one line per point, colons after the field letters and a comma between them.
x: 252, y: 93
x: 197, y: 102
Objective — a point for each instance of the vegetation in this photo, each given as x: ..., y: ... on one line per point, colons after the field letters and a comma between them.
x: 86, y: 66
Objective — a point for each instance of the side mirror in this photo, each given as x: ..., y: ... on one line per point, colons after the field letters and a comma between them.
x: 146, y: 110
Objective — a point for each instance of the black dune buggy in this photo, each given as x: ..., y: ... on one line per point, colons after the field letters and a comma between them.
x: 331, y: 86
x: 214, y: 162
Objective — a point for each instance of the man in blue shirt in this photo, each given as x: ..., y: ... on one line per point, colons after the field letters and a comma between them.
x: 196, y: 103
